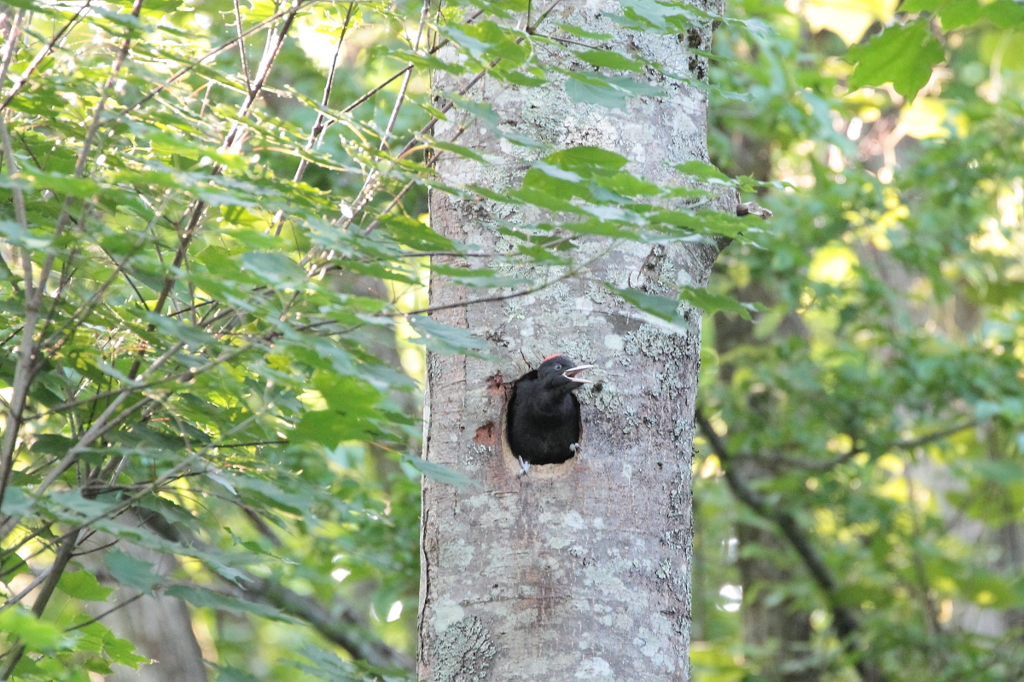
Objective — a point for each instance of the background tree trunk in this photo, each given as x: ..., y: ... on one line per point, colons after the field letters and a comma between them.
x: 578, y: 570
x: 159, y: 626
x: 778, y: 627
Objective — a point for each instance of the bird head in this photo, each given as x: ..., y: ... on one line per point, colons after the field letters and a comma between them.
x: 558, y: 371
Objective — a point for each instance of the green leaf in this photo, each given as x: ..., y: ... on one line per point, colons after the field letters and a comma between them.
x: 459, y: 149
x: 97, y: 639
x: 62, y: 184
x: 466, y: 38
x: 200, y: 597
x: 172, y: 327
x: 1002, y: 13
x: 902, y: 55
x: 18, y: 236
x: 581, y: 33
x: 490, y: 119
x: 476, y: 277
x: 713, y: 303
x: 587, y: 161
x: 999, y: 471
x: 704, y: 171
x: 609, y: 59
x: 445, y: 339
x: 629, y: 185
x: 667, y: 309
x: 83, y: 585
x: 667, y: 16
x: 275, y: 268
x: 583, y: 90
x: 227, y: 673
x: 17, y: 621
x: 122, y: 651
x: 328, y: 666
x: 440, y: 472
x: 910, y: 6
x: 329, y: 428
x: 348, y: 394
x: 1010, y: 407
x: 131, y: 572
x: 414, y: 234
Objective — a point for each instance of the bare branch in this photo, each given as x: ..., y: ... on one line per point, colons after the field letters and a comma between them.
x: 828, y: 465
x: 935, y: 435
x: 23, y: 369
x: 241, y: 47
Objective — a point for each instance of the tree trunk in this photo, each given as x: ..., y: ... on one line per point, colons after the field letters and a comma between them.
x: 578, y: 570
x: 159, y: 626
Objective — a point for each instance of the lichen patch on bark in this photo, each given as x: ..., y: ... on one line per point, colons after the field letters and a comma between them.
x: 463, y: 652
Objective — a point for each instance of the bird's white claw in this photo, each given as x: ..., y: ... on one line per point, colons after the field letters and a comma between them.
x: 575, y: 447
x: 525, y: 466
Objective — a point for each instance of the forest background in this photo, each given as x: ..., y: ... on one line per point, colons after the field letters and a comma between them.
x: 221, y: 395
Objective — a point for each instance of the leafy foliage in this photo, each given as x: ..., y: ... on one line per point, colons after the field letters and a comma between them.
x: 213, y: 245
x: 869, y: 415
x: 211, y: 284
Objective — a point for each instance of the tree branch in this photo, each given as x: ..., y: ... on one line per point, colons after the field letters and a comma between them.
x: 843, y: 619
x: 67, y: 548
x: 343, y: 625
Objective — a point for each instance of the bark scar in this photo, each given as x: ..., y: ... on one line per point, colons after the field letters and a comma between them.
x: 486, y: 434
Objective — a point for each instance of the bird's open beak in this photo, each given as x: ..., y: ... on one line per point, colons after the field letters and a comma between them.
x: 571, y: 373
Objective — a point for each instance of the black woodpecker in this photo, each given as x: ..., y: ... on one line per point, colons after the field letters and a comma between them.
x: 544, y: 415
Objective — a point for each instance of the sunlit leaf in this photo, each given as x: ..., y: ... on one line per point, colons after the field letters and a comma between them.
x: 902, y: 54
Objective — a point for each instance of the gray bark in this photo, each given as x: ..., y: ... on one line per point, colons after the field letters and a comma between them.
x: 578, y: 570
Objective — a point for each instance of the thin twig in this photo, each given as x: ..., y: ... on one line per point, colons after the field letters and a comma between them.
x: 320, y: 124
x: 241, y: 46
x: 126, y: 602
x: 25, y: 368
x: 26, y: 351
x: 94, y: 300
x: 920, y: 572
x: 106, y: 420
x: 208, y: 56
x: 282, y: 441
x: 370, y: 93
x: 365, y: 194
x: 21, y: 79
x: 828, y: 465
x: 11, y: 44
x: 173, y: 473
x: 486, y: 299
x: 231, y: 141
x: 16, y: 598
x: 934, y: 436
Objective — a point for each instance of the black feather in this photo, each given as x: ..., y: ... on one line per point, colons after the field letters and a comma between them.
x: 544, y: 415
